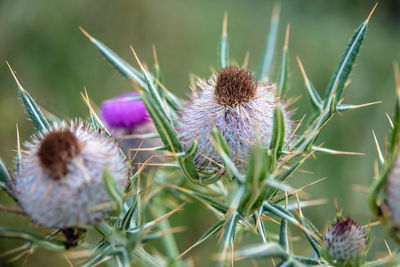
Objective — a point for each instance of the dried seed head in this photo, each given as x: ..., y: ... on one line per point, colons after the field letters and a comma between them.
x: 242, y: 111
x: 56, y: 150
x: 234, y: 85
x: 345, y: 240
x: 60, y: 180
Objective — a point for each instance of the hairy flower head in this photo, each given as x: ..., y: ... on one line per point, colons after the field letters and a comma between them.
x: 238, y: 106
x: 345, y: 240
x: 60, y: 180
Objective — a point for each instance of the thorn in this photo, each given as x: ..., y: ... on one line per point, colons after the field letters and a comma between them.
x: 303, y: 73
x: 390, y: 120
x: 286, y: 200
x: 308, y: 185
x: 376, y: 169
x: 225, y: 25
x: 155, y: 56
x: 365, y: 105
x: 69, y: 262
x: 136, y: 57
x: 15, y: 78
x: 360, y: 189
x: 338, y: 213
x: 378, y: 149
x: 286, y: 44
x: 275, y: 11
x: 179, y: 208
x: 347, y: 83
x: 14, y: 250
x: 298, y: 205
x: 297, y: 127
x: 232, y: 252
x: 338, y: 152
x: 388, y: 248
x: 371, y: 224
x: 267, y: 218
x: 323, y: 125
x: 18, y: 139
x: 86, y: 34
x: 372, y: 11
x: 246, y: 60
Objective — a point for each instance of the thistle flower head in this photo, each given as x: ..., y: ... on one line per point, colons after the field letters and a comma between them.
x: 126, y: 116
x: 238, y: 106
x: 345, y: 240
x: 124, y: 112
x: 392, y: 189
x: 60, y: 180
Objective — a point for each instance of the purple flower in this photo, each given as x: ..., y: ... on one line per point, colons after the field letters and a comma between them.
x: 124, y: 112
x: 126, y: 116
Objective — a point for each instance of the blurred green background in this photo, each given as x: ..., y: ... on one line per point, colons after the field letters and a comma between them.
x: 42, y: 42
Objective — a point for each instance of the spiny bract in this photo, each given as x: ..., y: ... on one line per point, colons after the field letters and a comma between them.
x: 59, y: 182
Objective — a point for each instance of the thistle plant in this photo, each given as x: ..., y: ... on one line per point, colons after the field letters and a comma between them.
x: 233, y: 147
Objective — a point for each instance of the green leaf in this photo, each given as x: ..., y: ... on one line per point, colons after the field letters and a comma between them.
x: 232, y: 219
x: 258, y: 166
x: 257, y: 172
x: 267, y: 250
x: 260, y: 225
x: 112, y: 190
x: 394, y: 141
x: 280, y: 212
x: 5, y: 179
x: 316, y: 101
x: 224, y: 46
x: 209, y: 233
x: 192, y: 150
x: 145, y: 259
x: 54, y: 245
x: 278, y: 135
x: 308, y: 261
x: 283, y: 235
x: 126, y: 220
x: 222, y: 207
x: 5, y: 176
x: 223, y: 151
x: 269, y: 46
x: 39, y: 121
x: 121, y: 65
x: 342, y: 72
x: 283, y: 79
x: 152, y: 89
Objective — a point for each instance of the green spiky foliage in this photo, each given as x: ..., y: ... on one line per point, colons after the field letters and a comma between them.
x: 384, y: 166
x: 241, y: 200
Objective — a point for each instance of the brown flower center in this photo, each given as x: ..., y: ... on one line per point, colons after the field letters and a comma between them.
x: 56, y: 150
x: 234, y: 86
